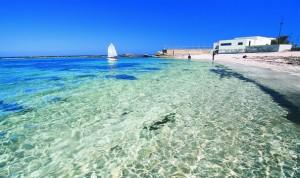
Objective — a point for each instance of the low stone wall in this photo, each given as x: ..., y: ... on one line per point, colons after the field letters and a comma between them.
x: 232, y: 51
x: 268, y: 48
x: 283, y: 48
x: 257, y: 49
x: 265, y: 48
x: 182, y: 52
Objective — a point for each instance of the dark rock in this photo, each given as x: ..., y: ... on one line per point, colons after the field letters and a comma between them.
x: 10, y: 106
x: 122, y: 77
x: 158, y: 124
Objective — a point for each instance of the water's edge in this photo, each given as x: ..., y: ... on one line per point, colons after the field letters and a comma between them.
x: 277, y: 96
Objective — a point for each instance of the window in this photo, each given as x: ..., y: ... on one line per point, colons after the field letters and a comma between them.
x: 225, y: 44
x: 240, y: 43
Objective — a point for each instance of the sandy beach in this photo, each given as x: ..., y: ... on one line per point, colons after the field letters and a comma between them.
x: 288, y: 62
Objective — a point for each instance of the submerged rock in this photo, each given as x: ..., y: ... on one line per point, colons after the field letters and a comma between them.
x: 2, y: 134
x: 86, y: 76
x: 122, y: 77
x: 158, y: 124
x: 57, y: 100
x: 8, y: 107
x: 152, y: 68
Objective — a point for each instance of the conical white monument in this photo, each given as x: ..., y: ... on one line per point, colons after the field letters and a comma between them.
x: 112, y: 52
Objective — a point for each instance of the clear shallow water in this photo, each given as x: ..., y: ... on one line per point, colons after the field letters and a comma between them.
x: 287, y: 85
x: 139, y: 117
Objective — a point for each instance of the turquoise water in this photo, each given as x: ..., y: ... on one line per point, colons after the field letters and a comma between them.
x: 140, y: 118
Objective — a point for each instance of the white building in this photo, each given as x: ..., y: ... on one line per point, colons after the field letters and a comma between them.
x: 240, y: 45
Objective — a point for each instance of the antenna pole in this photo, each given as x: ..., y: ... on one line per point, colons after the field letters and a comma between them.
x: 280, y: 30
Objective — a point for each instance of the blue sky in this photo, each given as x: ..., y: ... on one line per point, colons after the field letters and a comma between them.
x: 71, y: 27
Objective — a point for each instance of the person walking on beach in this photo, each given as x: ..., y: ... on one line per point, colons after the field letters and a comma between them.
x: 189, y: 57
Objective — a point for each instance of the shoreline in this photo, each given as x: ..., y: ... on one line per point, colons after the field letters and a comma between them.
x: 267, y: 70
x: 288, y: 62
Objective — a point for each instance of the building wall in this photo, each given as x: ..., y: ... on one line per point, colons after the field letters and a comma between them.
x: 234, y: 47
x: 257, y: 40
x: 261, y: 41
x: 240, y: 45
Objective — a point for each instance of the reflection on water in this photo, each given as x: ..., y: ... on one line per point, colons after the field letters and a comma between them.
x: 141, y: 117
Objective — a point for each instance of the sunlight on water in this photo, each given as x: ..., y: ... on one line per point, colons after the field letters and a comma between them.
x: 139, y: 117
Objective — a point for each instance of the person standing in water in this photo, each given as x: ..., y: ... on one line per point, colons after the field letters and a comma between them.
x: 213, y: 55
x: 189, y: 57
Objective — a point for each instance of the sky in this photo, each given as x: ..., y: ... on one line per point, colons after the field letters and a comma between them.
x: 79, y: 27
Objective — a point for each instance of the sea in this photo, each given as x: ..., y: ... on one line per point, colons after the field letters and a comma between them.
x: 141, y: 117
